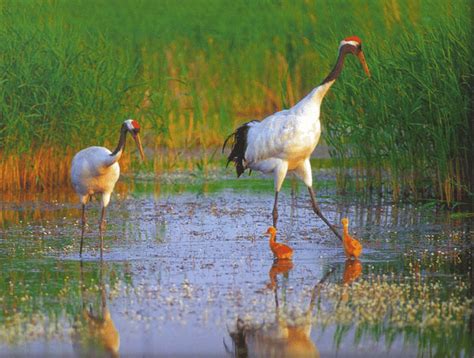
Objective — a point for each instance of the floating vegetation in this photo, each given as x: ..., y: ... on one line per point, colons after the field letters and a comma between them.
x: 184, y: 263
x: 377, y: 300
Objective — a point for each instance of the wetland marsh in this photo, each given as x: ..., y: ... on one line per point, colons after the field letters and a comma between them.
x: 187, y: 270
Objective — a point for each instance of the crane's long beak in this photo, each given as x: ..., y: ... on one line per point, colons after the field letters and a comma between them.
x: 136, y: 138
x: 361, y: 58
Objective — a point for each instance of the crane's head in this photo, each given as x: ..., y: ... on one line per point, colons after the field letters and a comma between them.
x: 345, y: 221
x: 353, y: 44
x: 133, y: 128
x: 271, y: 231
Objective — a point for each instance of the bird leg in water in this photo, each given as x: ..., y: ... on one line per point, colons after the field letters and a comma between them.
x: 275, y: 210
x: 83, y: 221
x: 101, y: 230
x: 320, y: 214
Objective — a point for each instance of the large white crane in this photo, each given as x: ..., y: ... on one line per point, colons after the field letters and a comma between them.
x: 284, y: 141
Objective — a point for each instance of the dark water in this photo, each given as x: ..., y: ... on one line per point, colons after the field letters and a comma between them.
x: 187, y: 271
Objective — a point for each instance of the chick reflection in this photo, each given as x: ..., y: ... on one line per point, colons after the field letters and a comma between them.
x: 279, y: 338
x: 94, y: 331
x: 279, y: 267
x: 352, y: 270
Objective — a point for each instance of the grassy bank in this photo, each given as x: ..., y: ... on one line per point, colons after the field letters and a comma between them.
x: 190, y: 71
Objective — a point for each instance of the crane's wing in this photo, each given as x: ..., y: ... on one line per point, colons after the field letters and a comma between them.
x: 90, y: 162
x: 273, y: 137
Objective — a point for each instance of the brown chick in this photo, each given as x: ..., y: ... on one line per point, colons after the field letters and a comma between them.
x: 352, y: 247
x: 280, y: 251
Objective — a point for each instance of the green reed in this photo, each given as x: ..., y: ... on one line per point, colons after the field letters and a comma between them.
x: 191, y: 71
x: 411, y: 118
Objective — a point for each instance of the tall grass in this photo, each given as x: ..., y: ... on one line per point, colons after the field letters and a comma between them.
x: 412, y: 119
x: 190, y: 71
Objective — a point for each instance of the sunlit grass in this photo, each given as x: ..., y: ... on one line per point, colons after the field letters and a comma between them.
x: 191, y: 71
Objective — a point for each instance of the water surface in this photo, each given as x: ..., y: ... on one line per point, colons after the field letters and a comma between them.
x: 187, y: 271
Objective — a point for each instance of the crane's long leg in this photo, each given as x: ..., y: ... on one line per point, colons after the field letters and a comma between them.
x: 275, y: 210
x: 83, y: 221
x: 101, y: 231
x: 279, y: 174
x: 304, y: 172
x: 320, y: 214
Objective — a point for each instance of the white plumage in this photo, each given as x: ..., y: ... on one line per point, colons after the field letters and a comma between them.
x: 285, y: 140
x: 95, y: 170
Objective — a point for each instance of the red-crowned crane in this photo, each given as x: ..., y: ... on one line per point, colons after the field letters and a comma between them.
x: 285, y: 140
x: 95, y: 170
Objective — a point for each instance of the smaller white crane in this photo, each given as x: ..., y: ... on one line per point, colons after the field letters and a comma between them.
x: 95, y: 170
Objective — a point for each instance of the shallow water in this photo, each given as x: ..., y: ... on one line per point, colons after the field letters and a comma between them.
x: 187, y: 271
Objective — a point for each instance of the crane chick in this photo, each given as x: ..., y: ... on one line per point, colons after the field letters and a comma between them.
x: 280, y: 251
x: 352, y: 247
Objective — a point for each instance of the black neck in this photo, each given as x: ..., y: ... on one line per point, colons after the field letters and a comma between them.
x: 122, y: 140
x: 336, y: 71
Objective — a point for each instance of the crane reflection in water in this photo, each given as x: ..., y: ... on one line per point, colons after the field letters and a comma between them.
x: 283, y: 337
x: 94, y: 331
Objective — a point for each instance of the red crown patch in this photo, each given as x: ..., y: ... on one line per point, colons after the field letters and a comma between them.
x: 135, y: 124
x: 353, y: 38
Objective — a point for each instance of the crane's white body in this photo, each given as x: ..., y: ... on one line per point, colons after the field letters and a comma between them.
x: 94, y: 170
x: 285, y: 140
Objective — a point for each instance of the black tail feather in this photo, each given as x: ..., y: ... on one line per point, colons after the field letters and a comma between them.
x: 239, y: 146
